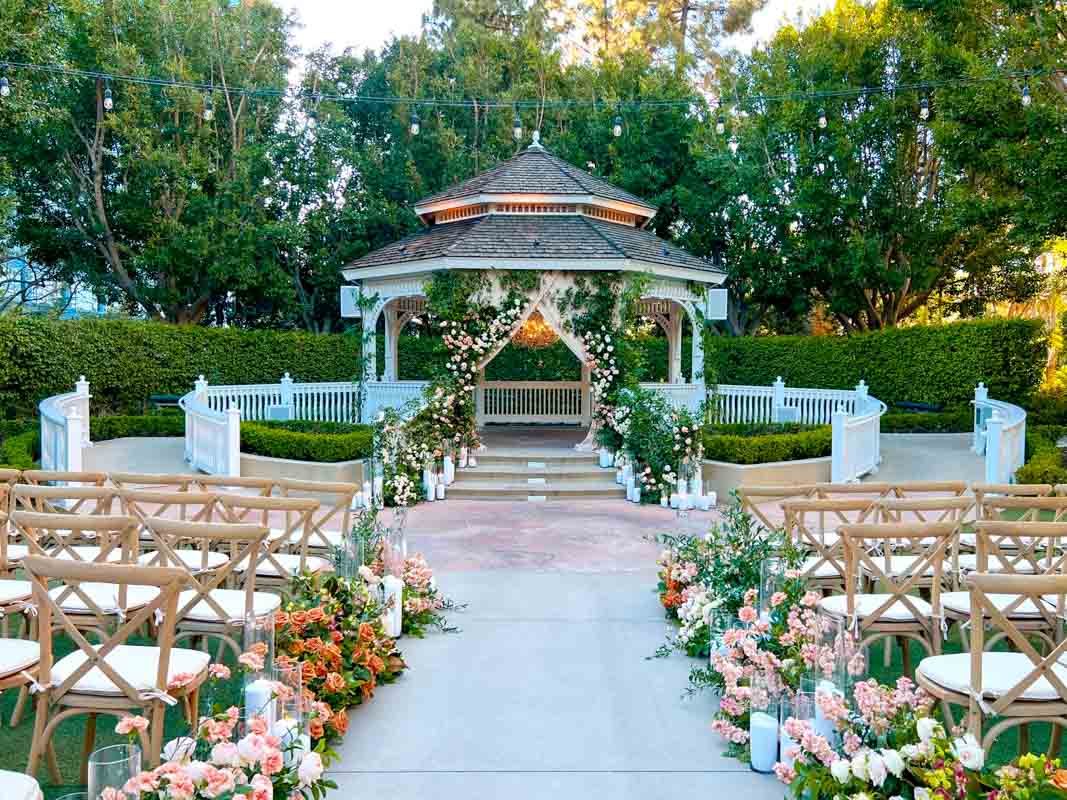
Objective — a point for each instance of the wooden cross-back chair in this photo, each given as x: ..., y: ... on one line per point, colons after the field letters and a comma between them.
x: 837, y: 491
x: 992, y: 490
x: 894, y: 611
x: 918, y: 490
x: 764, y: 502
x: 184, y: 506
x: 147, y: 481
x: 1016, y: 548
x: 63, y: 536
x: 954, y: 509
x: 208, y: 608
x: 51, y: 477
x: 1018, y: 687
x: 1045, y: 508
x: 285, y: 552
x: 113, y: 677
x: 63, y: 499
x: 333, y: 519
x: 812, y: 526
x: 237, y: 484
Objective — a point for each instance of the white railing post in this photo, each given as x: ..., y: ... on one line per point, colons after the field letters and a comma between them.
x: 287, y: 393
x: 81, y: 386
x: 839, y: 456
x: 74, y: 440
x: 200, y: 387
x: 777, y: 399
x: 994, y: 429
x: 233, y: 441
x: 981, y: 396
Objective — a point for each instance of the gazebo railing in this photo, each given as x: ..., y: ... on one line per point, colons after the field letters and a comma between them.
x: 64, y: 420
x: 561, y: 402
x: 999, y: 435
x: 679, y: 395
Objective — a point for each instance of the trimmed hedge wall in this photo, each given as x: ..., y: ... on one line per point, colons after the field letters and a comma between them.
x: 1044, y: 460
x: 127, y: 361
x: 763, y: 444
x: 925, y: 364
x: 103, y: 428
x: 325, y: 442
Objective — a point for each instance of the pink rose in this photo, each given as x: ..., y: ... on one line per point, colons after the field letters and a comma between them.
x: 262, y: 788
x: 272, y: 761
x: 111, y: 793
x: 220, y: 671
x: 747, y: 614
x: 777, y: 599
x: 129, y: 724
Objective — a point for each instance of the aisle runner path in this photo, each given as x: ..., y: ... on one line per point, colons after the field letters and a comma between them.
x: 547, y: 692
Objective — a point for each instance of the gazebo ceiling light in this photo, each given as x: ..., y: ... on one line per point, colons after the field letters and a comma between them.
x: 535, y: 333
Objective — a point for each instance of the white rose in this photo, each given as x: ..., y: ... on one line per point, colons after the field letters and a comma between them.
x: 310, y: 769
x: 224, y: 754
x: 922, y: 793
x: 197, y: 770
x: 969, y: 752
x: 926, y: 728
x: 368, y: 575
x: 893, y: 762
x: 859, y: 765
x: 909, y: 751
x: 180, y: 749
x: 841, y: 770
x: 876, y: 769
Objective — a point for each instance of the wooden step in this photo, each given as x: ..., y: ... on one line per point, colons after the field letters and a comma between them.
x: 548, y: 490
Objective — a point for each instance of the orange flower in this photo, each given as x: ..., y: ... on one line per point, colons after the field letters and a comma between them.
x: 376, y: 664
x: 335, y: 682
x: 299, y: 618
x: 337, y: 636
x: 315, y: 615
x: 283, y: 661
x: 339, y: 722
x: 259, y: 648
x: 1059, y: 779
x: 307, y: 671
x: 296, y: 647
x: 313, y: 645
x: 366, y: 632
x: 316, y: 729
x: 320, y: 670
x: 281, y: 619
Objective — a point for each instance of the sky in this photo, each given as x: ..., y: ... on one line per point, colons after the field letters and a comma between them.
x: 370, y: 23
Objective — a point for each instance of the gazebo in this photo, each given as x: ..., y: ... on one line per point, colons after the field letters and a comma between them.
x: 534, y: 212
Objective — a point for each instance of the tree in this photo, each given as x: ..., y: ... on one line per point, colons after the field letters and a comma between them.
x: 153, y: 205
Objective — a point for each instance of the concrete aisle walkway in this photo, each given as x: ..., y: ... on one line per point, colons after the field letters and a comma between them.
x: 929, y: 457
x: 546, y: 692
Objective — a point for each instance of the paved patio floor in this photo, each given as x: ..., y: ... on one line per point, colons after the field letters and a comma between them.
x: 547, y: 691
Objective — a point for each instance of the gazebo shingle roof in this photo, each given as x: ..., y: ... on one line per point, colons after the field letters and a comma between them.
x: 532, y: 237
x: 535, y: 171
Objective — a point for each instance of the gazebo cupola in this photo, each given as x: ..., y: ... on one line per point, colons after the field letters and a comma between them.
x: 534, y: 211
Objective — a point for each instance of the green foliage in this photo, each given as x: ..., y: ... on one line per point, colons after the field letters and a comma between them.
x: 1044, y: 460
x: 1047, y: 408
x: 120, y: 426
x: 958, y: 421
x: 761, y: 445
x: 928, y: 364
x: 127, y: 361
x: 21, y: 450
x: 324, y: 442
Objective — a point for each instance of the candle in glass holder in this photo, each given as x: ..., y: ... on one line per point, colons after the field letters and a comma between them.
x: 683, y: 487
x: 379, y: 485
x: 449, y: 469
x: 823, y: 726
x: 259, y: 699
x: 393, y: 619
x: 440, y: 490
x: 674, y: 500
x: 763, y: 740
x: 663, y: 501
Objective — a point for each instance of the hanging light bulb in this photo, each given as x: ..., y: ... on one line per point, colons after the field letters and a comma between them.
x: 415, y: 127
x: 822, y: 118
x: 616, y: 128
x: 516, y: 127
x: 1026, y: 95
x: 720, y: 126
x: 209, y: 110
x: 109, y: 102
x: 924, y: 109
x: 733, y: 145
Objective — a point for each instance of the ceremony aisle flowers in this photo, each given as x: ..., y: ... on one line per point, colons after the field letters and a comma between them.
x: 423, y: 602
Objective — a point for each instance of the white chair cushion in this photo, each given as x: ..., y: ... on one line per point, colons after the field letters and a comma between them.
x: 290, y: 562
x: 137, y: 665
x: 315, y: 538
x: 960, y: 603
x: 825, y: 539
x: 899, y: 565
x: 18, y: 786
x: 192, y: 559
x: 867, y: 604
x: 106, y: 597
x: 825, y: 570
x: 16, y: 552
x: 17, y: 655
x: 1000, y: 672
x: 10, y: 591
x: 232, y: 602
x: 969, y: 563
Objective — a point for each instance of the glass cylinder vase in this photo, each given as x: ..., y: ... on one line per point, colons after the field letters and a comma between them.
x: 291, y: 711
x: 112, y: 766
x: 772, y: 578
x: 763, y: 727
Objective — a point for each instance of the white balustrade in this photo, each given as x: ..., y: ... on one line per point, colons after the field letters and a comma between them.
x: 65, y: 428
x: 856, y: 437
x: 561, y: 402
x: 212, y: 436
x: 999, y: 435
x: 389, y: 394
x: 679, y: 395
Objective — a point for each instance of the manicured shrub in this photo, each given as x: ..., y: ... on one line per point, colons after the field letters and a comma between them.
x: 325, y: 442
x: 127, y: 361
x: 1047, y: 408
x: 939, y: 364
x: 959, y: 421
x: 21, y: 450
x: 117, y: 427
x: 1044, y: 460
x: 764, y: 444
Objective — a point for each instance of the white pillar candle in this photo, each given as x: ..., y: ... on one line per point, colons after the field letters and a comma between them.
x: 637, y: 494
x: 428, y: 484
x: 603, y: 457
x: 663, y: 500
x: 674, y: 500
x: 705, y: 503
x: 288, y: 732
x: 441, y: 490
x: 367, y: 495
x: 472, y: 461
x: 763, y: 740
x: 823, y: 726
x: 618, y: 476
x: 462, y: 457
x: 379, y: 485
x: 696, y: 486
x: 393, y: 617
x: 357, y: 500
x: 784, y: 745
x: 683, y: 487
x: 611, y: 459
x: 259, y: 699
x: 713, y: 499
x: 450, y: 470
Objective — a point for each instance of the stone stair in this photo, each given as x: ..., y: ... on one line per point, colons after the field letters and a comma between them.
x: 535, y: 474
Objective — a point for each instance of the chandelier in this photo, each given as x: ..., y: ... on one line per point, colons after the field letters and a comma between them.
x: 535, y: 333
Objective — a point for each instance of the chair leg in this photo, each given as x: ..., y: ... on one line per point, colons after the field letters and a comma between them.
x: 37, y: 745
x: 905, y: 656
x: 155, y: 731
x: 87, y: 745
x: 1024, y: 738
x: 53, y: 765
x: 20, y: 705
x: 1055, y: 742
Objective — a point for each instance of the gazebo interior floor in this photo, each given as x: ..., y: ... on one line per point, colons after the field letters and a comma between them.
x: 503, y: 438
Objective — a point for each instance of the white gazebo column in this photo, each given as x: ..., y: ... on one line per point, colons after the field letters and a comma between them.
x: 587, y: 395
x: 698, y: 350
x: 675, y: 321
x: 393, y: 323
x: 370, y: 341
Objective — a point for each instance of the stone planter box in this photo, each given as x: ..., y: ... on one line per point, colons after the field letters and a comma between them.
x: 336, y: 472
x: 722, y: 477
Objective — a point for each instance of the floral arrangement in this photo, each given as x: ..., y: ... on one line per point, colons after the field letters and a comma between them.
x: 423, y: 603
x: 688, y: 442
x: 333, y: 626
x: 887, y: 746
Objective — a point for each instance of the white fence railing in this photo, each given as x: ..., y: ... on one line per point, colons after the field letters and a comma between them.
x: 1000, y: 435
x: 390, y: 394
x: 562, y: 402
x: 212, y: 438
x: 65, y: 428
x: 856, y: 437
x: 679, y: 395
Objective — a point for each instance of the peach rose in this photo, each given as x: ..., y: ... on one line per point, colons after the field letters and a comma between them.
x: 339, y: 722
x: 315, y: 615
x: 315, y: 728
x: 335, y: 682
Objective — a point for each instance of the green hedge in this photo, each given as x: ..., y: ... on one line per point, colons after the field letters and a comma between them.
x: 21, y: 450
x: 926, y: 364
x: 127, y: 361
x: 764, y: 444
x: 117, y: 427
x: 1044, y: 460
x: 958, y: 421
x: 307, y: 441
